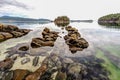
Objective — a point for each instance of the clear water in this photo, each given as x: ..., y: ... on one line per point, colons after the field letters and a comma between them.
x: 104, y: 43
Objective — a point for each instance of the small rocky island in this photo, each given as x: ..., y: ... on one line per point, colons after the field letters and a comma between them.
x: 110, y: 20
x: 11, y: 31
x: 62, y: 21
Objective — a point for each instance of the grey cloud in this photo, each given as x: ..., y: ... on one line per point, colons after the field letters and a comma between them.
x: 13, y: 3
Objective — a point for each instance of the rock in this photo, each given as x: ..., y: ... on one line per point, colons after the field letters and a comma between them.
x: 38, y: 73
x: 20, y: 74
x: 74, y: 40
x: 6, y: 35
x: 9, y: 28
x: 35, y: 61
x: 24, y: 48
x: 6, y: 64
x: 8, y: 76
x: 17, y: 34
x: 74, y: 49
x: 26, y: 60
x: 67, y: 60
x: 1, y: 26
x: 11, y: 31
x: 38, y: 42
x: 1, y: 74
x: 69, y: 28
x: 47, y: 30
x: 74, y: 68
x: 49, y: 37
x: 2, y: 38
x: 61, y: 76
x: 25, y: 31
x: 75, y: 71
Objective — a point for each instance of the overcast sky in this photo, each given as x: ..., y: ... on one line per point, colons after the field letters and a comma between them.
x: 75, y: 9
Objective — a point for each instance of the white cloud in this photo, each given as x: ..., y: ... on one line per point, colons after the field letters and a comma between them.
x: 75, y: 9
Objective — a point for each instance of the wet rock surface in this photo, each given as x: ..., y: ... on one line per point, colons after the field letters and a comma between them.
x: 74, y: 41
x: 11, y: 31
x: 49, y: 37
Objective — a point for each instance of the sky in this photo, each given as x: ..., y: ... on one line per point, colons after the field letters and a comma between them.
x: 74, y: 9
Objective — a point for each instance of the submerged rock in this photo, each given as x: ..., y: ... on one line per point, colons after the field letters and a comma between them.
x: 38, y: 73
x: 20, y: 74
x: 35, y: 61
x: 6, y: 64
x: 26, y: 60
x: 8, y: 75
x: 1, y: 74
x: 24, y: 48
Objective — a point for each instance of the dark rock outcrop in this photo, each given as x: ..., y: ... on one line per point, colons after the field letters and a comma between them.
x: 74, y: 40
x: 49, y: 37
x: 11, y: 31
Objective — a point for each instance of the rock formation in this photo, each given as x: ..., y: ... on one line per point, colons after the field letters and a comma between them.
x: 74, y: 41
x: 49, y: 37
x: 11, y: 31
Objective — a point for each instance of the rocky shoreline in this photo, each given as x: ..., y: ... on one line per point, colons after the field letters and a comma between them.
x: 11, y: 31
x: 53, y: 66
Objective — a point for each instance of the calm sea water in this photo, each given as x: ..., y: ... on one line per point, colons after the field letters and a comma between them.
x: 104, y: 43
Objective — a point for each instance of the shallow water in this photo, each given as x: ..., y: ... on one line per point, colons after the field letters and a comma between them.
x: 103, y: 43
